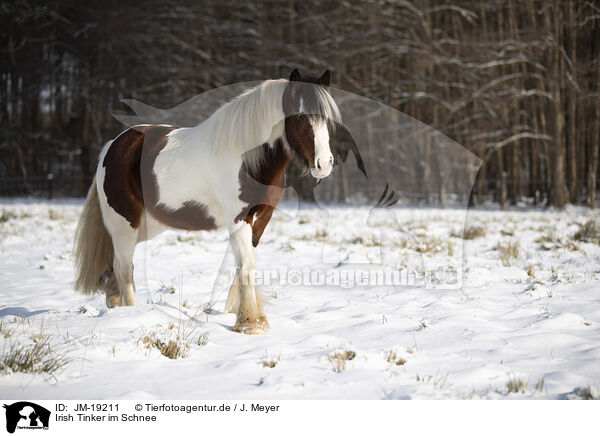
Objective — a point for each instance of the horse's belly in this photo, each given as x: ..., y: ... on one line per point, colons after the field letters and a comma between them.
x: 153, y: 225
x: 193, y: 214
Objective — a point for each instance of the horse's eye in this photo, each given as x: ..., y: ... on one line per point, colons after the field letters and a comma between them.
x: 299, y: 116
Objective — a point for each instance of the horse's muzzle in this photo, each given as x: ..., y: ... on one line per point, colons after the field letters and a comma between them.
x: 320, y: 174
x: 323, y: 166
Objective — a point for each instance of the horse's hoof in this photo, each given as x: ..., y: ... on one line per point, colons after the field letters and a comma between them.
x: 249, y: 329
x: 257, y: 327
x: 113, y: 301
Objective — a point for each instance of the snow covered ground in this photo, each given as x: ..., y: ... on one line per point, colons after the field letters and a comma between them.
x: 525, y: 323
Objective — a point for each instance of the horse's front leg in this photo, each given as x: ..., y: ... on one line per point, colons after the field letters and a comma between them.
x: 243, y: 294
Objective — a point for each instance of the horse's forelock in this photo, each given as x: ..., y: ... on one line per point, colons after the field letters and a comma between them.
x: 318, y: 104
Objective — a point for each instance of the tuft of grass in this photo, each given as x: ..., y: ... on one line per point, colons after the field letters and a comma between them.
x: 202, y: 339
x: 7, y: 215
x: 270, y: 363
x: 55, y: 215
x: 5, y: 331
x: 321, y: 235
x: 424, y: 244
x: 549, y: 241
x: 540, y: 385
x: 304, y: 220
x: 531, y: 271
x: 370, y: 240
x: 588, y: 232
x: 516, y: 385
x: 174, y: 341
x: 393, y: 358
x: 440, y: 382
x: 340, y: 358
x: 508, y: 251
x: 451, y: 248
x: 36, y: 358
x: 172, y: 349
x: 431, y: 245
x: 190, y: 238
x: 166, y: 289
x: 587, y: 393
x: 473, y: 232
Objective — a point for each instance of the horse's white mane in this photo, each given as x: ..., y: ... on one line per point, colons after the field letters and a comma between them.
x: 248, y: 121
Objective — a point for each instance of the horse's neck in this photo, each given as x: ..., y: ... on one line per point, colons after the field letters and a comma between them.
x: 253, y: 119
x: 270, y: 170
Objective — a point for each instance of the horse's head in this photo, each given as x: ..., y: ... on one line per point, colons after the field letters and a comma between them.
x: 310, y: 115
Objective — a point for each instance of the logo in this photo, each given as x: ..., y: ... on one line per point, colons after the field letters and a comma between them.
x: 25, y: 415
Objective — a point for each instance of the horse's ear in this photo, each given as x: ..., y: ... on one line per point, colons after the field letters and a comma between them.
x: 325, y: 78
x: 295, y: 76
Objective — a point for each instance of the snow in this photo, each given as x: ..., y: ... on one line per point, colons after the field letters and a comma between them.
x: 530, y: 321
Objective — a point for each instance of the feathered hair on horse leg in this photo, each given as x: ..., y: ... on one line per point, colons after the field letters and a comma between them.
x: 232, y: 305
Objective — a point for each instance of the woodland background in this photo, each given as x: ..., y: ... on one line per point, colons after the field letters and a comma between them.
x: 517, y: 82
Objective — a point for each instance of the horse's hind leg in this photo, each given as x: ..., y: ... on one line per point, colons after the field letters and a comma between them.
x: 123, y: 270
x: 119, y: 287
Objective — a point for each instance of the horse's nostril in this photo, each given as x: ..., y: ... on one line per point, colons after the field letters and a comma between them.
x: 318, y: 163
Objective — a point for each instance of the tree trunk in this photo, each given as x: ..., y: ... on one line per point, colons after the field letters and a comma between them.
x: 592, y: 169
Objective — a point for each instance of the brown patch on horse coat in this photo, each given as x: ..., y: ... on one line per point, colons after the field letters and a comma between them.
x: 263, y: 188
x: 130, y: 183
x: 298, y: 129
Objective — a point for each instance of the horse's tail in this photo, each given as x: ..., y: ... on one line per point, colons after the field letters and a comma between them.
x: 93, y: 249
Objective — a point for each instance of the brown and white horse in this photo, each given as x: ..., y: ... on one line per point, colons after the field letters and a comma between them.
x: 229, y: 171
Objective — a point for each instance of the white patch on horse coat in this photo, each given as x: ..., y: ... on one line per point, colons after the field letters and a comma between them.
x: 179, y: 182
